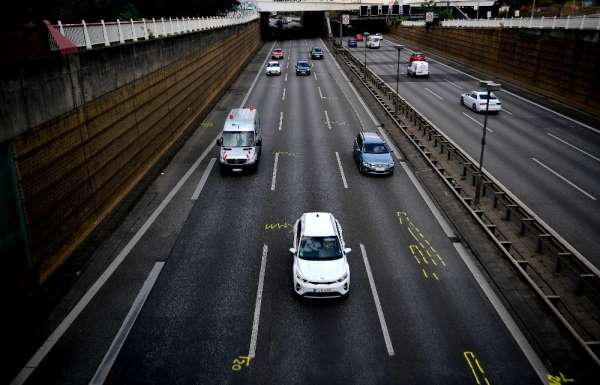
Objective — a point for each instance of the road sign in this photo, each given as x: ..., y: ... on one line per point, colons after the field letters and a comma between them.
x: 429, y: 17
x: 345, y: 19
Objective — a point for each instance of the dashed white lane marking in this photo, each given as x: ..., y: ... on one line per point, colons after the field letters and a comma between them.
x: 574, y: 147
x: 257, y: 75
x: 286, y: 75
x: 339, y: 162
x: 283, y: 95
x: 203, y: 180
x: 314, y: 73
x: 280, y: 121
x: 327, y: 120
x: 56, y: 335
x: 433, y: 93
x: 477, y: 122
x: 274, y: 177
x: 382, y: 323
x: 454, y: 84
x: 259, y: 291
x: 320, y: 93
x: 115, y: 347
x: 507, y: 111
x: 565, y: 180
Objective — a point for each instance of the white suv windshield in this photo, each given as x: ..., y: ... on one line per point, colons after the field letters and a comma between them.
x: 238, y: 139
x: 320, y: 248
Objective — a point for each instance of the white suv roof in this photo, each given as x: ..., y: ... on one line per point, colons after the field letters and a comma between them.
x: 319, y: 224
x: 273, y: 64
x: 240, y: 119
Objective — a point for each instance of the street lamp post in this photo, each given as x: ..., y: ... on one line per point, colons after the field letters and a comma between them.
x: 489, y: 86
x: 365, y: 37
x: 399, y: 48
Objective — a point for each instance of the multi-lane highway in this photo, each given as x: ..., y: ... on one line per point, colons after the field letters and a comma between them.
x: 198, y: 277
x: 550, y: 162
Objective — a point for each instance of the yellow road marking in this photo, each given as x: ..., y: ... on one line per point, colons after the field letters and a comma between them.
x: 417, y: 258
x: 277, y: 226
x: 239, y: 362
x: 557, y: 380
x: 425, y: 260
x: 436, y: 277
x: 470, y: 357
x: 413, y: 235
x: 424, y: 273
x: 434, y: 262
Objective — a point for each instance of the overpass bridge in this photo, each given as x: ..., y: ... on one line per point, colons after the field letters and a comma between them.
x: 351, y: 5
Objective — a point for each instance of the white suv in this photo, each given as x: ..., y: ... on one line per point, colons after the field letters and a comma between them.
x: 273, y: 68
x: 320, y: 267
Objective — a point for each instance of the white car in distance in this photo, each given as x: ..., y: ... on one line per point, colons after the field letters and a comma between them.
x: 320, y: 268
x: 273, y: 68
x: 477, y: 101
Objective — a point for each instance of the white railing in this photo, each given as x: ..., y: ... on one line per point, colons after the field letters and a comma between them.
x: 413, y: 23
x: 579, y: 22
x: 94, y: 34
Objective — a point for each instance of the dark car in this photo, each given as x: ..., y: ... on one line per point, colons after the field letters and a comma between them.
x: 372, y: 154
x: 316, y: 53
x: 352, y: 43
x: 302, y: 67
x: 417, y: 56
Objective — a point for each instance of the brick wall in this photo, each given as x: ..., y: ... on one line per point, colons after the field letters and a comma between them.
x: 74, y: 169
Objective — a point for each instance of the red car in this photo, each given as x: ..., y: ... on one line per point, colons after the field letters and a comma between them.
x: 417, y: 56
x: 277, y: 53
x: 359, y: 37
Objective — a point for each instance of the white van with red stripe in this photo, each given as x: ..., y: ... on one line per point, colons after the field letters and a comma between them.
x: 240, y: 143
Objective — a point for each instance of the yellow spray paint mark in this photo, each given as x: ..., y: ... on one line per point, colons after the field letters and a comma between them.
x: 435, y: 276
x: 424, y: 273
x: 277, y: 226
x: 476, y: 368
x: 240, y: 362
x: 207, y: 124
x: 557, y: 380
x: 421, y: 250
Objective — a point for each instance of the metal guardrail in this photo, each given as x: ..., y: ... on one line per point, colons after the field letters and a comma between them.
x: 579, y: 22
x: 563, y: 258
x: 89, y: 35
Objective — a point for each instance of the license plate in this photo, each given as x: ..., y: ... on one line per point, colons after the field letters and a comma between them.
x: 379, y: 169
x: 321, y: 290
x: 236, y: 169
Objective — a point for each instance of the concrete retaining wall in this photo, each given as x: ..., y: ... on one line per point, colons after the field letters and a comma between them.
x: 89, y: 126
x: 560, y: 64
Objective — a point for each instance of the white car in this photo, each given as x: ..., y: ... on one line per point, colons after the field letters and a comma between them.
x: 320, y: 268
x: 273, y: 68
x: 477, y: 100
x: 418, y: 68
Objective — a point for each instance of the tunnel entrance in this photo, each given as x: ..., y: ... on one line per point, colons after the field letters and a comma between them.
x: 293, y: 25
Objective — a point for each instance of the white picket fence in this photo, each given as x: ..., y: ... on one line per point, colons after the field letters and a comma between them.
x: 89, y: 35
x: 579, y: 22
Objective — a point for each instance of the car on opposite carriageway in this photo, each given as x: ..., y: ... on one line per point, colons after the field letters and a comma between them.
x: 352, y: 43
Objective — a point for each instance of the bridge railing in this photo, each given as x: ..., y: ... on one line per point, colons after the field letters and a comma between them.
x: 580, y: 22
x: 103, y: 33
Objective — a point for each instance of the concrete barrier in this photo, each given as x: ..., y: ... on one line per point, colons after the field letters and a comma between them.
x: 556, y: 63
x: 86, y: 128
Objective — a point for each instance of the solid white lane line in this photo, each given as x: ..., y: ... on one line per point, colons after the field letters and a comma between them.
x: 574, y: 147
x: 565, y: 179
x: 41, y: 353
x: 522, y: 98
x: 536, y: 363
x: 339, y: 162
x: 454, y: 84
x: 327, y: 120
x: 202, y: 181
x: 259, y: 291
x: 280, y: 120
x: 256, y: 77
x: 432, y: 207
x: 320, y: 93
x: 283, y: 95
x: 389, y: 143
x: 286, y: 77
x: 382, y: 323
x: 477, y: 121
x: 507, y: 111
x: 274, y: 177
x: 115, y: 347
x: 433, y: 93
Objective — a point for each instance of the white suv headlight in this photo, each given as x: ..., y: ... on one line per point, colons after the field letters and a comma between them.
x: 343, y: 277
x: 300, y: 277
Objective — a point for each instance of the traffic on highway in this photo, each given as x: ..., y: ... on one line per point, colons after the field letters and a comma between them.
x: 216, y: 273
